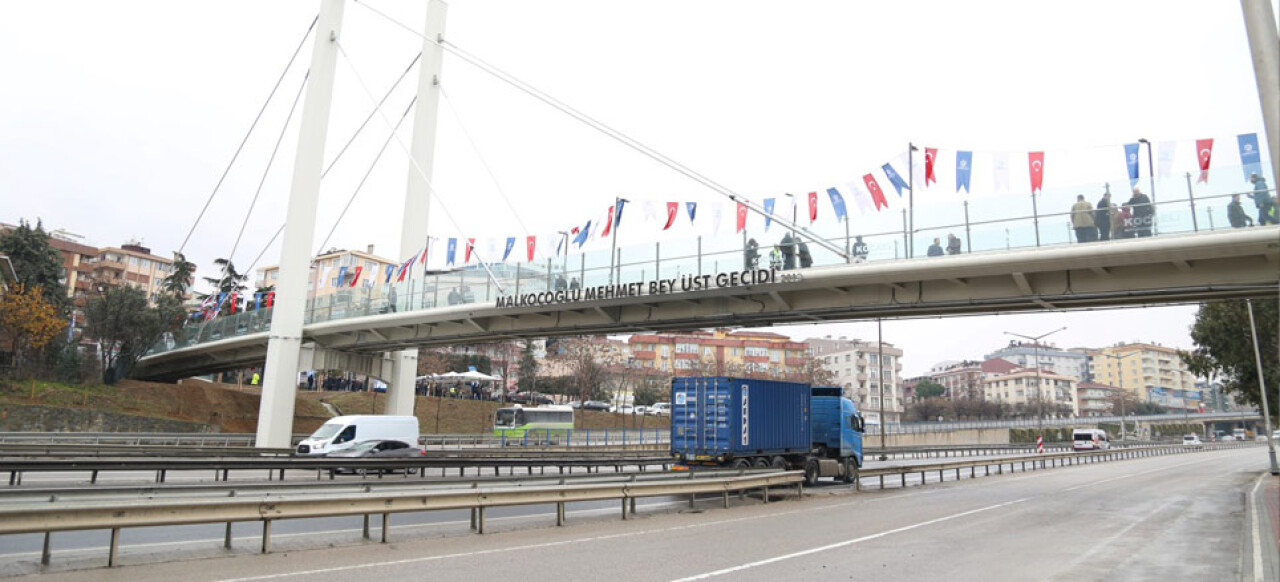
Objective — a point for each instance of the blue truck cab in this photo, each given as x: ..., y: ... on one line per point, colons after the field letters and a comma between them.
x: 752, y: 423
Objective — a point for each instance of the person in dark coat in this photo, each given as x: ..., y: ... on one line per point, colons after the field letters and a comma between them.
x: 806, y: 259
x: 751, y: 255
x: 935, y: 249
x: 1236, y: 215
x: 860, y: 250
x: 1263, y: 200
x: 1144, y: 214
x: 953, y: 244
x: 1102, y: 217
x: 788, y: 245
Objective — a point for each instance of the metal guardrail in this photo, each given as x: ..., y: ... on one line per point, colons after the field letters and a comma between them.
x: 223, y: 466
x: 577, y: 437
x: 112, y: 450
x: 69, y: 515
x: 947, y: 426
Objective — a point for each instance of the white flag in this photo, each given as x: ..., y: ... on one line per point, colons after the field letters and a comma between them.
x: 1000, y: 171
x: 717, y: 216
x: 1167, y: 151
x: 865, y: 204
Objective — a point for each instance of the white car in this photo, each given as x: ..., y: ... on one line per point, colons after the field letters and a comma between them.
x: 624, y: 409
x: 1191, y: 440
x: 640, y: 410
x: 659, y: 409
x: 1226, y: 438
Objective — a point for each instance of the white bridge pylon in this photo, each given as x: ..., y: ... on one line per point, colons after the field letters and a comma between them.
x: 284, y: 345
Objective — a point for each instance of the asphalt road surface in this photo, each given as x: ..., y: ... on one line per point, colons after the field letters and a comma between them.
x: 1177, y: 517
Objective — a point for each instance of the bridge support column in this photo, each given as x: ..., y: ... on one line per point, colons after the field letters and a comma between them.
x: 400, y: 386
x: 280, y: 378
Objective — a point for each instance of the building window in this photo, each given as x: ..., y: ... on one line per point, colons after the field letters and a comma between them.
x: 753, y: 351
x: 686, y: 348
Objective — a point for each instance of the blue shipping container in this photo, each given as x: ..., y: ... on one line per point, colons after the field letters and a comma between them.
x: 711, y: 416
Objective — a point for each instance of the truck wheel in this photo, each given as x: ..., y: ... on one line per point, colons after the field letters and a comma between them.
x: 742, y: 464
x: 850, y: 472
x: 811, y: 472
x: 761, y: 463
x: 778, y: 463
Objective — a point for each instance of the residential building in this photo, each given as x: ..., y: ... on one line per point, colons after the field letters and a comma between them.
x: 1029, y: 386
x: 1095, y: 399
x: 858, y: 369
x: 133, y: 265
x: 961, y: 379
x: 1045, y: 356
x: 719, y: 352
x: 1150, y: 372
x: 327, y: 268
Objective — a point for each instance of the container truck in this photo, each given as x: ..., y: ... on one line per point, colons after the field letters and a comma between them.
x: 740, y: 423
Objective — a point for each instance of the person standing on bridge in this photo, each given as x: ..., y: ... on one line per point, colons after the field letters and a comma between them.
x: 1102, y: 217
x: 806, y: 259
x: 751, y: 255
x: 935, y: 249
x: 860, y: 250
x: 1144, y: 214
x: 1263, y: 200
x: 1236, y: 215
x: 1082, y: 220
x: 788, y: 245
x: 953, y: 244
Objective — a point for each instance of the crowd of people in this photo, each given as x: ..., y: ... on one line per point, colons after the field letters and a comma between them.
x: 1136, y: 217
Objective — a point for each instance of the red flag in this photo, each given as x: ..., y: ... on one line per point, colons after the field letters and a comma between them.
x: 423, y: 259
x: 231, y: 304
x: 405, y: 269
x: 742, y: 217
x: 1036, y: 161
x: 608, y: 222
x: 271, y: 299
x: 356, y: 277
x: 672, y: 209
x: 876, y: 194
x: 813, y: 206
x: 530, y: 244
x: 1204, y: 151
x: 930, y: 155
x: 471, y: 243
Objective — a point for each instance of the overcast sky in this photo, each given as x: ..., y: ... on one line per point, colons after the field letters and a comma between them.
x: 118, y: 118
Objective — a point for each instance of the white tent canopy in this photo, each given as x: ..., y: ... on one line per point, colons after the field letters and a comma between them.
x: 469, y: 375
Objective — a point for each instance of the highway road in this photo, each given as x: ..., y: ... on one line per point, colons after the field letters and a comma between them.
x: 1177, y: 517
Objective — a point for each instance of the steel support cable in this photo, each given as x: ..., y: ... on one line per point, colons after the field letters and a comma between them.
x: 267, y: 171
x: 417, y: 168
x: 489, y: 170
x: 245, y: 140
x: 367, y: 173
x: 613, y: 133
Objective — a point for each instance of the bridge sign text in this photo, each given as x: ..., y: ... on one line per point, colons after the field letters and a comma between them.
x: 641, y: 289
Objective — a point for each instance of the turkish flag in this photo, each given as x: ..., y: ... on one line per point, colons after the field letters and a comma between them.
x: 930, y: 155
x: 742, y: 217
x: 608, y: 222
x: 356, y: 277
x: 876, y: 194
x: 471, y: 243
x: 813, y: 206
x: 1204, y: 151
x: 1036, y: 162
x: 530, y: 244
x: 672, y: 209
x: 271, y: 299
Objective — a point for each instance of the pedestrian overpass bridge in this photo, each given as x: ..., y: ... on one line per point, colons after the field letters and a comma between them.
x: 355, y: 331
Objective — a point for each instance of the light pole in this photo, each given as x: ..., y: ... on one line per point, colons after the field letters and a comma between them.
x: 795, y: 240
x: 1123, y: 392
x: 880, y: 378
x: 1262, y: 388
x: 1035, y: 346
x: 564, y: 234
x: 1151, y: 173
x: 613, y: 251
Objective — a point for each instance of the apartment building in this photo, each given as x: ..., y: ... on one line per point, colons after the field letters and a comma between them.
x: 859, y: 369
x: 1095, y: 399
x: 1150, y: 372
x: 1022, y: 386
x: 327, y: 268
x: 1045, y: 356
x: 719, y: 352
x: 133, y: 265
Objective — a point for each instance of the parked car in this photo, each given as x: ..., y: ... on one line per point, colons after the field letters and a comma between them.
x: 659, y: 409
x: 597, y: 405
x: 1226, y: 438
x: 640, y: 410
x: 377, y: 449
x: 1191, y: 440
x: 625, y: 409
x: 575, y: 404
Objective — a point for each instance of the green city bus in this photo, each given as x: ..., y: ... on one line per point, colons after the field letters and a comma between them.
x: 516, y: 421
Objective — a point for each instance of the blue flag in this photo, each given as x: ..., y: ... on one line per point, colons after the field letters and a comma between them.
x: 1131, y: 158
x: 837, y: 202
x: 692, y: 207
x: 1250, y: 157
x: 342, y: 276
x: 898, y: 183
x: 391, y: 270
x: 768, y: 211
x: 257, y: 301
x: 583, y: 234
x: 511, y: 244
x: 451, y: 251
x: 617, y: 214
x: 964, y: 168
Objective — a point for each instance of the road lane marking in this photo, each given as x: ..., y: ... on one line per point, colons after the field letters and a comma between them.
x: 874, y: 536
x: 1257, y: 532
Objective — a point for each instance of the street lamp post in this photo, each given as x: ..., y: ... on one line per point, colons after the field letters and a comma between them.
x: 613, y: 251
x: 880, y: 382
x: 1122, y: 390
x: 1035, y: 346
x: 564, y: 234
x: 1262, y: 388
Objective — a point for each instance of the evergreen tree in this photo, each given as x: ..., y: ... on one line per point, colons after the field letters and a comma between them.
x: 1224, y: 345
x: 37, y: 264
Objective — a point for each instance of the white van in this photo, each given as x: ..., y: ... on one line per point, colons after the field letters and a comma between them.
x: 342, y: 432
x: 1090, y: 439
